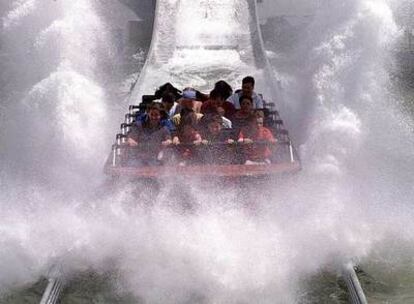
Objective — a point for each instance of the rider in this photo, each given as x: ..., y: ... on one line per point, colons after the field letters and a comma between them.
x: 247, y: 90
x: 187, y: 103
x: 218, y: 151
x: 240, y: 119
x: 165, y: 120
x: 212, y: 125
x: 223, y: 88
x: 257, y: 139
x: 187, y: 136
x: 217, y: 100
x: 150, y: 135
x: 171, y: 107
x: 226, y: 122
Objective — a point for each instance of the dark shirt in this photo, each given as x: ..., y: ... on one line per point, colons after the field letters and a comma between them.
x: 218, y: 151
x: 222, y: 137
x: 149, y: 140
x: 239, y: 121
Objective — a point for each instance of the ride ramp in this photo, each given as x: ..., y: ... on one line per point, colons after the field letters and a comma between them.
x: 198, y: 42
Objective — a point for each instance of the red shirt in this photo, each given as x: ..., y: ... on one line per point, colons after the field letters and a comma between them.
x: 229, y: 109
x: 258, y: 152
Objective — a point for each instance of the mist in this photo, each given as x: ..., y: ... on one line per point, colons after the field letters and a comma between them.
x: 60, y: 110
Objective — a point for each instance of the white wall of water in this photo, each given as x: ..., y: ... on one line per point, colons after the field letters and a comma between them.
x: 57, y: 103
x: 56, y: 128
x: 272, y: 8
x: 211, y: 39
x: 354, y: 193
x: 355, y: 139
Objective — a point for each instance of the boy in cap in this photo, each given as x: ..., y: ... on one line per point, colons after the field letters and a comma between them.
x: 187, y: 103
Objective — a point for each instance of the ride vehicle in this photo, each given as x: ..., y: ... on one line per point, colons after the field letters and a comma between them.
x: 283, y: 159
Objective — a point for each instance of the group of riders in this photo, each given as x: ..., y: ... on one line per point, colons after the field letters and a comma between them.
x: 202, y: 128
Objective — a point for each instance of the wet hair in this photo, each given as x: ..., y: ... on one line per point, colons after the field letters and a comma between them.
x: 187, y: 118
x: 248, y: 79
x: 245, y: 97
x: 223, y: 88
x: 206, y: 120
x: 201, y: 96
x: 209, y: 118
x: 185, y: 111
x: 167, y: 87
x: 158, y: 107
x: 168, y: 97
x: 215, y: 117
x: 250, y: 125
x: 155, y: 106
x: 215, y: 94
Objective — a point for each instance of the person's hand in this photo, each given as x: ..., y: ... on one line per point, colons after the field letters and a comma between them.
x: 230, y: 141
x: 176, y: 140
x: 204, y: 142
x: 167, y: 142
x: 248, y: 141
x: 131, y: 142
x: 197, y: 142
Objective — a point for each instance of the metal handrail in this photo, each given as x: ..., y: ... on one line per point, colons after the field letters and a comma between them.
x: 201, y: 145
x: 52, y: 291
x: 356, y: 292
x: 119, y: 148
x: 54, y: 287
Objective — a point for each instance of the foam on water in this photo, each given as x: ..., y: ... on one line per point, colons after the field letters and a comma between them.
x: 354, y: 193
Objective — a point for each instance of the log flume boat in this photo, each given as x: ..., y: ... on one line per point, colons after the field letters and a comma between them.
x: 283, y: 158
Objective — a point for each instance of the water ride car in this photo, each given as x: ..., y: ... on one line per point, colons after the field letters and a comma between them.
x: 230, y: 158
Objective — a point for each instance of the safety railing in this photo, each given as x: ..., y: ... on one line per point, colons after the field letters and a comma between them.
x: 121, y: 151
x: 356, y: 293
x: 54, y: 287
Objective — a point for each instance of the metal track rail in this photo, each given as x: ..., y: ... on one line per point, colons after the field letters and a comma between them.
x: 54, y: 287
x: 356, y: 292
x: 52, y: 292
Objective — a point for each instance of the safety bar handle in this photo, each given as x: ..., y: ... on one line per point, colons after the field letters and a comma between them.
x: 129, y: 118
x: 125, y: 128
x: 210, y: 144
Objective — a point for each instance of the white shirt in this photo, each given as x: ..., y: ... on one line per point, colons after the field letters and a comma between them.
x: 257, y: 100
x: 173, y: 110
x: 226, y: 122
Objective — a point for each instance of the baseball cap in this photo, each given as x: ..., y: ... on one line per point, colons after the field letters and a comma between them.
x: 189, y: 94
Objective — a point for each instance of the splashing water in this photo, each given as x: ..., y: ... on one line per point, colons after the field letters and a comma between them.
x: 62, y: 112
x: 357, y: 146
x: 354, y: 193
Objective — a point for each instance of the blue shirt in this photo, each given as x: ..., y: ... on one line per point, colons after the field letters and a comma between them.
x: 164, y: 122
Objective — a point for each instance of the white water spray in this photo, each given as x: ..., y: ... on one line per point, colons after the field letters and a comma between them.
x: 354, y: 192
